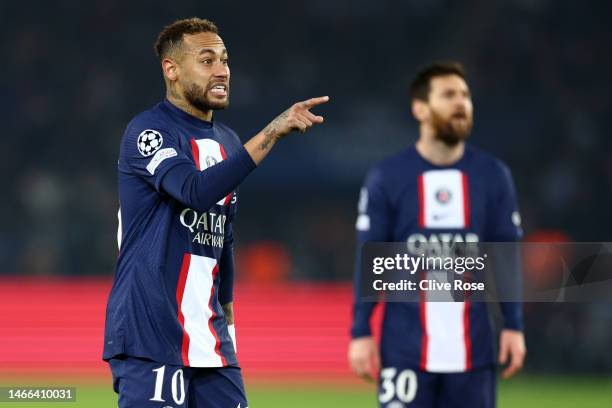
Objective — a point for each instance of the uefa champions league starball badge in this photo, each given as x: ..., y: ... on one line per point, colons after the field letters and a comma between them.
x: 149, y: 141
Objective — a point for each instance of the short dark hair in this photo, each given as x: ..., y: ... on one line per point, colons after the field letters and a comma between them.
x: 172, y: 35
x: 421, y: 84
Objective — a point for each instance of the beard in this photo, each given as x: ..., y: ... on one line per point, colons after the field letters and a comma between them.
x: 197, y: 97
x: 449, y: 131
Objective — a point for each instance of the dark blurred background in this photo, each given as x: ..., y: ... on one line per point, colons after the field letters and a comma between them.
x: 76, y: 72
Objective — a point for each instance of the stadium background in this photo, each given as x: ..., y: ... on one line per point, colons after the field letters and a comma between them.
x: 75, y: 73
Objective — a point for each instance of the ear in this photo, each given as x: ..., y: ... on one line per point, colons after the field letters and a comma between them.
x: 420, y: 110
x: 170, y: 68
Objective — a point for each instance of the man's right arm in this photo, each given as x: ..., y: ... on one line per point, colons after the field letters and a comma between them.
x: 372, y: 226
x: 171, y: 171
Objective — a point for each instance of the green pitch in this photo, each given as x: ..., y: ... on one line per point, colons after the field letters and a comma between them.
x: 524, y: 392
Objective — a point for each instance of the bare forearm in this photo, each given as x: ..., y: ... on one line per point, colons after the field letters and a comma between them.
x: 260, y: 145
x: 297, y: 117
x: 228, y: 310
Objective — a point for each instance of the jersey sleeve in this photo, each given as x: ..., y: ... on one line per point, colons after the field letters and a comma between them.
x: 200, y: 190
x: 226, y: 265
x: 505, y: 222
x: 234, y: 207
x: 149, y: 151
x: 506, y: 227
x: 155, y: 155
x: 226, y: 268
x: 372, y: 226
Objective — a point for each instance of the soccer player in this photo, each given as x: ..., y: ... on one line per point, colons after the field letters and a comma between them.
x: 169, y: 335
x: 441, y: 190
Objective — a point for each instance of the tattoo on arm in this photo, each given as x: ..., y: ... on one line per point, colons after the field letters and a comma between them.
x: 228, y: 310
x: 271, y: 131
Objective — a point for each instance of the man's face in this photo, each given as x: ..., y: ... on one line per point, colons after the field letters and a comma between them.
x: 450, y: 109
x: 203, y: 71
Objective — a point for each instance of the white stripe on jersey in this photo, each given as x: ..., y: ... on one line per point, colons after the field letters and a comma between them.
x: 446, y: 348
x: 210, y: 154
x: 445, y: 205
x: 443, y: 197
x: 196, y: 311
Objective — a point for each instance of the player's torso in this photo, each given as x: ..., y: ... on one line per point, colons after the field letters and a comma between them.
x: 432, y: 205
x: 164, y: 304
x: 147, y: 213
x: 435, y: 207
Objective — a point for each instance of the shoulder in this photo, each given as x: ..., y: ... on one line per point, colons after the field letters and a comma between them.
x: 398, y: 161
x: 153, y: 122
x: 390, y: 169
x: 401, y: 162
x: 228, y: 132
x: 488, y: 163
x: 147, y: 132
x: 154, y: 118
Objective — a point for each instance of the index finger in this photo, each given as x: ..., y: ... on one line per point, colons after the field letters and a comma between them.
x: 312, y: 102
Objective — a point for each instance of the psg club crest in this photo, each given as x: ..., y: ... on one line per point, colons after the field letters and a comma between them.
x: 149, y: 141
x: 210, y: 161
x: 443, y: 196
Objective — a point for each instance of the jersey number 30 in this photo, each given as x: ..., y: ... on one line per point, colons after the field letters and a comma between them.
x: 403, y: 386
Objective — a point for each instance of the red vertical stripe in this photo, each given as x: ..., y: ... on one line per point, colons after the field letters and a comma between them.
x: 213, y: 316
x: 467, y: 339
x: 180, y: 290
x: 224, y: 156
x: 421, y: 194
x: 466, y: 200
x: 424, y: 335
x: 195, y: 150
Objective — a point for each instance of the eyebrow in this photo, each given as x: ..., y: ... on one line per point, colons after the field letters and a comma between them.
x: 212, y: 51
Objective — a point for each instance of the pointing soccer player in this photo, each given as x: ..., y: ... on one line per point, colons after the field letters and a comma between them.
x: 169, y: 335
x: 441, y: 190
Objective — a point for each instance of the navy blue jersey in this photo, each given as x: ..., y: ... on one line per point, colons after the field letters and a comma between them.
x: 407, y: 199
x: 178, y: 179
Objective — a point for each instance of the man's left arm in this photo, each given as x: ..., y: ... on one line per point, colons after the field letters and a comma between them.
x: 507, y: 228
x: 226, y: 282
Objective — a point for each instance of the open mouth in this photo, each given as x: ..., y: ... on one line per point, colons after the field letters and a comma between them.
x: 219, y: 90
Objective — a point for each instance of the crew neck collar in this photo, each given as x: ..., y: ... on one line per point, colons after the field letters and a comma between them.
x: 458, y: 163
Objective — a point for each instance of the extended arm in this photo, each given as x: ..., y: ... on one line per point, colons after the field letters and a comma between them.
x: 170, y: 170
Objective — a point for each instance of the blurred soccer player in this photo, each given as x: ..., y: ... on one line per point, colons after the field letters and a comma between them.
x: 437, y: 354
x: 169, y: 336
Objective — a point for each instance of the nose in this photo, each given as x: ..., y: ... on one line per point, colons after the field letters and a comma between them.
x: 461, y: 102
x: 221, y: 70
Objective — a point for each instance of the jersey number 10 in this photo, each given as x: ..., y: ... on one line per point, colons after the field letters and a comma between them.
x: 177, y: 386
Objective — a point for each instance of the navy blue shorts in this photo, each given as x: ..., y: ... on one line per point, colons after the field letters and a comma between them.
x: 410, y: 388
x: 145, y: 383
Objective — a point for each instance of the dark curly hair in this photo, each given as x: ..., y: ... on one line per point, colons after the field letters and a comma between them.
x: 171, y: 37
